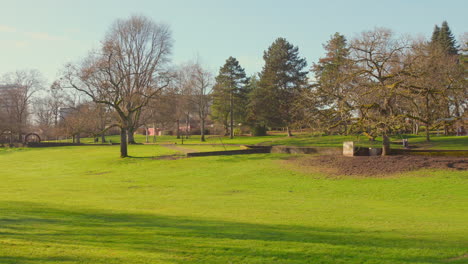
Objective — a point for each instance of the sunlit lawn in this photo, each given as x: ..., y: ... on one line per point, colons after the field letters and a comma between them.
x: 418, y: 141
x: 194, y: 139
x: 437, y: 142
x: 86, y: 205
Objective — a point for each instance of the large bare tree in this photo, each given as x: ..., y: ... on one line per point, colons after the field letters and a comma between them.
x: 378, y: 58
x: 432, y: 81
x: 127, y: 72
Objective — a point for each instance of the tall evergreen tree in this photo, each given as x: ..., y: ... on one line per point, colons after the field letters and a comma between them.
x: 331, y: 91
x: 446, y: 43
x: 281, y: 79
x: 442, y: 37
x: 435, y: 34
x: 230, y: 95
x: 254, y: 109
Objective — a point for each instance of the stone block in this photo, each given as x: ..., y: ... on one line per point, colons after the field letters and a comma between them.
x: 348, y: 148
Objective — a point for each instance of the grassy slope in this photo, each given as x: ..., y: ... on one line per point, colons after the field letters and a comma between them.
x: 84, y: 205
x: 437, y: 142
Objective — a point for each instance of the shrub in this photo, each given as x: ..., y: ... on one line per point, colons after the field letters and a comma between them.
x: 259, y: 130
x: 237, y: 132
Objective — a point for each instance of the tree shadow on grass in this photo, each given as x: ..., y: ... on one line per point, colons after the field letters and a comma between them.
x: 49, y: 260
x: 198, y: 240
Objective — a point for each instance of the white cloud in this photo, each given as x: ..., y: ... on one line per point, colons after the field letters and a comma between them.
x: 7, y: 29
x: 20, y: 44
x: 32, y: 35
x: 43, y: 36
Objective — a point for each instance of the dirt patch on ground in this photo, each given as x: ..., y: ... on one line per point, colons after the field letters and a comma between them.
x: 177, y: 148
x: 376, y: 166
x: 169, y: 157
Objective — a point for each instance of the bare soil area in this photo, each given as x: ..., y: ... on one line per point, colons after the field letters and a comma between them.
x: 169, y: 157
x: 177, y: 148
x: 376, y: 166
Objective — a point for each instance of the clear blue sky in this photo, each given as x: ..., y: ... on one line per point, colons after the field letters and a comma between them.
x: 46, y: 34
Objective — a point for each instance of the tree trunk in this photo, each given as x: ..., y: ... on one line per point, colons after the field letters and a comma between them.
x: 231, y: 119
x: 428, y: 119
x: 178, y: 130
x: 78, y: 141
x: 103, y: 138
x: 446, y: 126
x: 187, y: 124
x: 202, y: 126
x: 289, y: 131
x: 147, y: 136
x: 130, y: 136
x: 457, y: 109
x: 385, y: 145
x: 427, y: 133
x: 123, y: 143
x: 154, y: 133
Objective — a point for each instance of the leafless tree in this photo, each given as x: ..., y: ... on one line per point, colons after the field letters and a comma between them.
x: 184, y: 97
x: 44, y: 117
x: 127, y: 72
x: 4, y: 120
x: 17, y: 97
x: 378, y: 57
x: 432, y: 80
x: 200, y: 82
x: 81, y: 120
x: 47, y: 110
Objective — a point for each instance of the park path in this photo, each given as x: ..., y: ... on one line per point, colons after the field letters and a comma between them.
x: 177, y: 148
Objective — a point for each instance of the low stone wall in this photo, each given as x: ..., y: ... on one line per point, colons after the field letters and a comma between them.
x: 306, y: 150
x: 12, y: 145
x: 230, y: 152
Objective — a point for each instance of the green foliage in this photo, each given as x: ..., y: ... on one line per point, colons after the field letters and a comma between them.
x: 329, y: 103
x: 281, y: 79
x: 442, y: 37
x: 259, y: 130
x: 230, y: 94
x: 435, y: 34
x: 83, y: 205
x: 237, y: 131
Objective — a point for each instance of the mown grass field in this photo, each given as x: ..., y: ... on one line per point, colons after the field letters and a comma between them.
x: 419, y: 141
x: 86, y: 205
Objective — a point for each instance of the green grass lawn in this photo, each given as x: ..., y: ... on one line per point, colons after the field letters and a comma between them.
x: 85, y: 205
x: 194, y: 139
x: 437, y: 142
x: 419, y: 141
